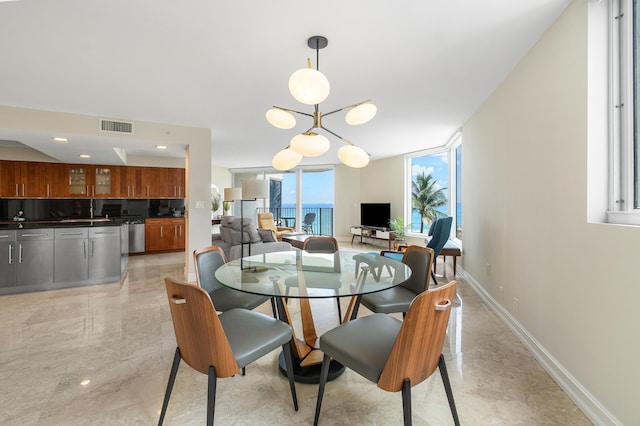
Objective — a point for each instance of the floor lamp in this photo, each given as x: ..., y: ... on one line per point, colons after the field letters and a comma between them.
x: 252, y: 190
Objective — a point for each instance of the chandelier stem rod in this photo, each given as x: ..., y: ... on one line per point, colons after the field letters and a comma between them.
x: 293, y: 110
x: 341, y: 138
x: 347, y: 107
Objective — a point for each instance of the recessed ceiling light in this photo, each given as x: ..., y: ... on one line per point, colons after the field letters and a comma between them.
x: 59, y: 139
x: 161, y: 147
x: 85, y: 382
x: 85, y: 156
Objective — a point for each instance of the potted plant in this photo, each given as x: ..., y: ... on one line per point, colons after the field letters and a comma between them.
x: 226, y: 206
x: 215, y: 204
x: 398, y: 227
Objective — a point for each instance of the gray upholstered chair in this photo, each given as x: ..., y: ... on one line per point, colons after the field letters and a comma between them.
x: 220, y: 345
x: 206, y: 261
x: 440, y: 236
x: 307, y: 223
x: 320, y: 244
x: 398, y: 298
x: 394, y: 354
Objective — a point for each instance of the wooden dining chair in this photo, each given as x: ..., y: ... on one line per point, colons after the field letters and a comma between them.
x: 320, y: 244
x: 206, y: 261
x: 220, y: 345
x: 394, y: 354
x: 398, y: 298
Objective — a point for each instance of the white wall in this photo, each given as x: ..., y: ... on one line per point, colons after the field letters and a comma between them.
x: 525, y: 222
x: 346, y: 201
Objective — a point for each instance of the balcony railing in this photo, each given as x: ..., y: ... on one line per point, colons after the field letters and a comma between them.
x: 286, y: 216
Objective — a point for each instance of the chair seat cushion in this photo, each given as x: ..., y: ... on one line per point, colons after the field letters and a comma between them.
x: 395, y: 299
x: 226, y: 298
x: 363, y: 344
x: 252, y: 334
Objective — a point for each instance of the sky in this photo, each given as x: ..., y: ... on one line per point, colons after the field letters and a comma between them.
x: 317, y: 188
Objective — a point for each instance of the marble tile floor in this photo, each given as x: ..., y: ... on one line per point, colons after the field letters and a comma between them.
x: 101, y: 355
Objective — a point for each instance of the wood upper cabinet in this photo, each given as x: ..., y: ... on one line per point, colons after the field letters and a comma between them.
x: 93, y: 181
x: 57, y: 177
x: 164, y: 234
x: 131, y: 182
x: 175, y: 186
x: 23, y: 179
x: 153, y: 181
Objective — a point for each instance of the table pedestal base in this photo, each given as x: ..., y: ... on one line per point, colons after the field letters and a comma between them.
x: 310, y: 374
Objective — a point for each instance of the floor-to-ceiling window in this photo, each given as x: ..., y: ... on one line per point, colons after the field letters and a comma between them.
x: 435, y: 187
x: 301, y: 194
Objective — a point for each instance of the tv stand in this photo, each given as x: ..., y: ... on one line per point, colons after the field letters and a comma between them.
x: 373, y: 232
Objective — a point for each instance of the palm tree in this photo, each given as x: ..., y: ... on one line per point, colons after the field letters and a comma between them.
x: 426, y: 198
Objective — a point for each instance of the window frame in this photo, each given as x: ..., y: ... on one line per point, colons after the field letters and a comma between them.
x: 623, y: 203
x: 450, y: 148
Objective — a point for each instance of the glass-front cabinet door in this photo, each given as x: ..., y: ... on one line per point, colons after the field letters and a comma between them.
x: 78, y: 181
x: 103, y: 181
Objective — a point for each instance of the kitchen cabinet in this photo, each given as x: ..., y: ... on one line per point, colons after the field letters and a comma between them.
x: 7, y: 258
x: 93, y: 181
x: 131, y: 182
x: 104, y: 252
x: 175, y: 186
x: 71, y: 260
x: 56, y: 180
x: 34, y: 255
x: 164, y: 234
x: 153, y: 181
x: 22, y: 179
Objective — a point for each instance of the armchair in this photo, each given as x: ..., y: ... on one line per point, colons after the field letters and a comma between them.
x: 265, y: 221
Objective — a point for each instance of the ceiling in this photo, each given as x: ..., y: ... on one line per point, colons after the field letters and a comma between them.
x: 427, y: 65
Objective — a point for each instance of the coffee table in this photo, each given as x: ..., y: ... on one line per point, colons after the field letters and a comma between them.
x: 296, y: 240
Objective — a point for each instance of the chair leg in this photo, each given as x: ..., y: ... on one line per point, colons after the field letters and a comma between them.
x: 339, y: 308
x: 324, y: 373
x: 286, y: 348
x: 406, y: 402
x: 172, y: 378
x: 447, y: 388
x: 434, y: 278
x: 243, y: 371
x: 211, y: 396
x: 273, y: 308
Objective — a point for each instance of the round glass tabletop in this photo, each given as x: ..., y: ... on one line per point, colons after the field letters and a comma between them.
x: 301, y: 274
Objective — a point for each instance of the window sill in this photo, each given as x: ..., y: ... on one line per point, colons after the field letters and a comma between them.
x: 624, y: 218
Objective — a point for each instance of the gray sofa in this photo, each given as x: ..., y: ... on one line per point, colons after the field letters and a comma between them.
x: 230, y: 237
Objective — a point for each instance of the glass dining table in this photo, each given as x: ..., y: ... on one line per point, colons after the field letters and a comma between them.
x: 303, y: 275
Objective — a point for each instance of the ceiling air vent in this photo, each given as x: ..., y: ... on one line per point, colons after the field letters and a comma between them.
x: 116, y: 126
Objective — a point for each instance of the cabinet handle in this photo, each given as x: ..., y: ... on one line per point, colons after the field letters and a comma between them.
x: 48, y: 192
x: 128, y: 191
x: 133, y: 190
x: 84, y: 249
x: 10, y: 254
x: 175, y: 191
x: 23, y: 189
x: 93, y: 190
x: 147, y: 190
x: 87, y: 189
x: 71, y: 233
x: 42, y: 234
x: 93, y: 247
x: 17, y: 193
x: 161, y: 231
x: 20, y: 253
x: 175, y: 231
x: 4, y: 236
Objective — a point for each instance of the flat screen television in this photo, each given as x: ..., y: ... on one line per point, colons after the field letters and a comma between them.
x: 375, y: 214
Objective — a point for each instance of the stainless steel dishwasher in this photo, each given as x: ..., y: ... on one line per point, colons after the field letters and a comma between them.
x: 136, y: 236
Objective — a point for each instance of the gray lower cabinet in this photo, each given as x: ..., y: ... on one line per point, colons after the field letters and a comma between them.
x: 71, y: 255
x: 35, y: 257
x: 7, y: 259
x: 104, y: 252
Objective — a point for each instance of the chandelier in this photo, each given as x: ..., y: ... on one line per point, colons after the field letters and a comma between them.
x: 311, y: 87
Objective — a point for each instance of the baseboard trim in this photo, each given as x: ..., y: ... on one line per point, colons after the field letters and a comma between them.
x: 586, y: 402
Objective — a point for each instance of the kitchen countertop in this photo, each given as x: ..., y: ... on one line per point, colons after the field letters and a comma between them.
x: 68, y: 223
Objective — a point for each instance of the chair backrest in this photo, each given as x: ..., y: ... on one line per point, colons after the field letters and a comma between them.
x: 206, y: 261
x: 199, y: 333
x: 419, y: 259
x: 417, y: 349
x: 309, y: 218
x: 320, y: 244
x: 441, y: 232
x: 265, y: 221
